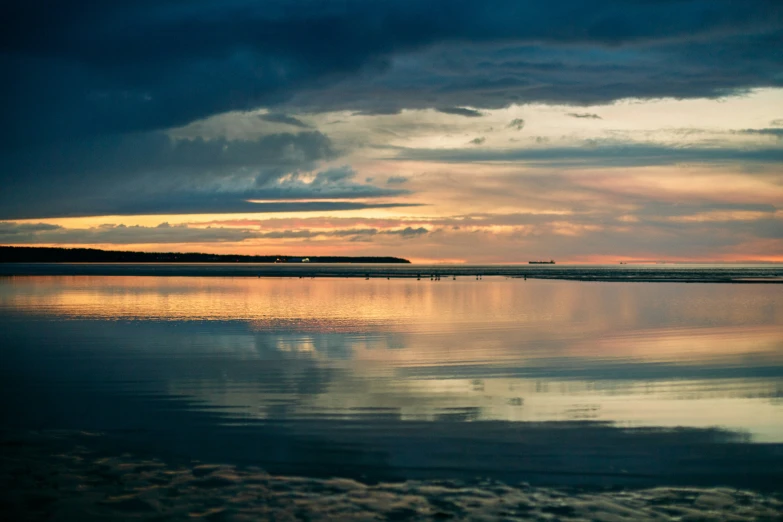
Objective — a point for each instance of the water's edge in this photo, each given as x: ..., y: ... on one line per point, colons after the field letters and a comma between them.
x: 738, y: 274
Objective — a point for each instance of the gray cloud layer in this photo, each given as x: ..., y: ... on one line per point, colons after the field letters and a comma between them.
x: 627, y: 155
x: 41, y: 233
x: 153, y: 174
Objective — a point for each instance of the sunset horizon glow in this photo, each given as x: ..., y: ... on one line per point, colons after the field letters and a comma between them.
x: 642, y: 134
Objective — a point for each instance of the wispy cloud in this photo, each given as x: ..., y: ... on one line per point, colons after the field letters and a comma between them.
x: 41, y: 233
x: 599, y: 155
x: 517, y: 123
x: 776, y: 132
x: 584, y: 115
x: 461, y: 111
x: 284, y: 118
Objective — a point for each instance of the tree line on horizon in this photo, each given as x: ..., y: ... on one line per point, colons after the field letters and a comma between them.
x: 15, y: 254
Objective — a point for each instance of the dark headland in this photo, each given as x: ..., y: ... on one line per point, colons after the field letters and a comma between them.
x: 9, y: 254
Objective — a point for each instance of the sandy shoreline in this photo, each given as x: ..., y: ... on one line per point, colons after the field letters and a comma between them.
x: 60, y: 476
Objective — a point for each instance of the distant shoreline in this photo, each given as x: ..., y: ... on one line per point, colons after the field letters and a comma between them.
x: 442, y: 274
x: 11, y: 254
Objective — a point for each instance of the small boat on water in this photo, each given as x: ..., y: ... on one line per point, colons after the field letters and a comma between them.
x: 550, y: 262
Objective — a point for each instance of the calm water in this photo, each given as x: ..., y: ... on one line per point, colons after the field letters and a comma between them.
x: 556, y: 382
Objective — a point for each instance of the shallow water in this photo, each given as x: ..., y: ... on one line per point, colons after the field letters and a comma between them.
x: 551, y: 382
x: 716, y: 273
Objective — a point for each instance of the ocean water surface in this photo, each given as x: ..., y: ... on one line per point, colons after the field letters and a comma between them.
x: 554, y: 383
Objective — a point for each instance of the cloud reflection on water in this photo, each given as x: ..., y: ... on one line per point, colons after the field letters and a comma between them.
x: 391, y: 357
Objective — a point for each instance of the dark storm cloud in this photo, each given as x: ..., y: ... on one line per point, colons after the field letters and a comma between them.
x: 628, y: 155
x: 86, y: 67
x: 460, y: 111
x: 593, y: 70
x: 122, y: 157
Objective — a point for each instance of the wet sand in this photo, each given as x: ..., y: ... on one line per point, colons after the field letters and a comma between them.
x: 64, y: 475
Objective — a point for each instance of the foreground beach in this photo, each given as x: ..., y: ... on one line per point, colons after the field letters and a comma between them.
x: 62, y: 476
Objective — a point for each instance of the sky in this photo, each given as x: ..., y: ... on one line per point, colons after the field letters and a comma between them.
x: 498, y: 131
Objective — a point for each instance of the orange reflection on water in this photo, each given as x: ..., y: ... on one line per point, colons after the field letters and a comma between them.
x: 499, y: 349
x: 442, y: 322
